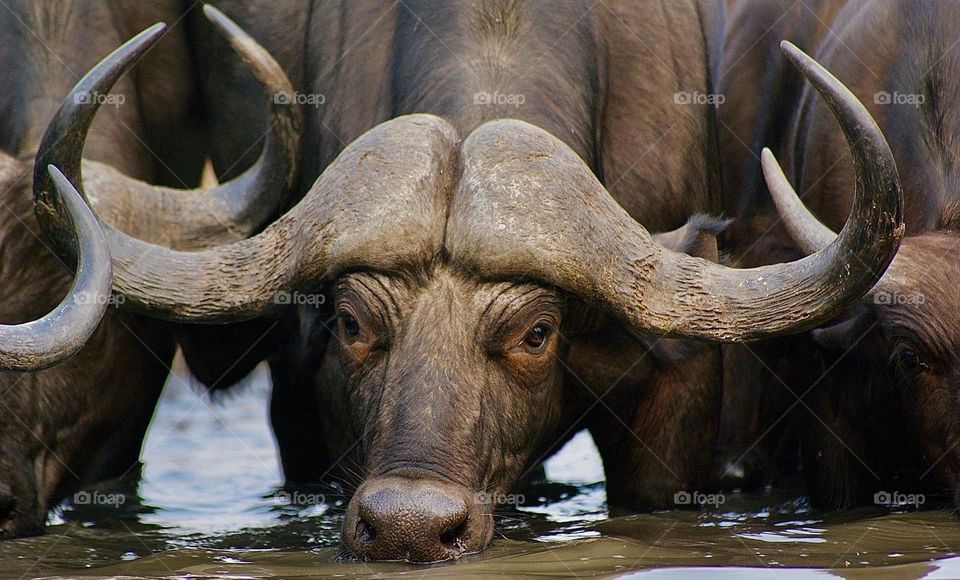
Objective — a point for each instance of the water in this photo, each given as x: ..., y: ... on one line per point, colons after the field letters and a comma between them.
x: 209, y: 505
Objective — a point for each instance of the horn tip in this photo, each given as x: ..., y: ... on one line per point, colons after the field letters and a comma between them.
x: 222, y: 21
x: 142, y: 41
x: 806, y: 64
x: 767, y: 156
x: 709, y: 224
x: 793, y: 52
x: 150, y: 35
x: 771, y: 169
x: 211, y: 11
x: 61, y: 182
x: 157, y: 28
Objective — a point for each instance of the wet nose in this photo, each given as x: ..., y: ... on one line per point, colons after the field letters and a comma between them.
x: 414, y: 520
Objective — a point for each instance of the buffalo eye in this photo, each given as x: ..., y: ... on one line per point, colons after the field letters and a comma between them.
x: 909, y: 362
x: 350, y: 325
x: 537, y: 337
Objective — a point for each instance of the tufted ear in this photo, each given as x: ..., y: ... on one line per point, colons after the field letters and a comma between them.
x: 697, y: 237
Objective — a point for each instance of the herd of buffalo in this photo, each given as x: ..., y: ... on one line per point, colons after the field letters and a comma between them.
x: 460, y: 232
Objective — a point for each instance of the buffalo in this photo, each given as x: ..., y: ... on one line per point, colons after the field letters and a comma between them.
x: 483, y: 278
x: 878, y: 416
x: 84, y: 376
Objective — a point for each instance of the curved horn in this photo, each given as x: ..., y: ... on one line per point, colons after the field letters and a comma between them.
x: 183, y: 219
x: 381, y: 203
x: 804, y: 228
x: 62, y: 332
x: 529, y: 206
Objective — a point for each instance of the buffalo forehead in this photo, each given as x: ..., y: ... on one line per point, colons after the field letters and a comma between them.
x: 397, y: 178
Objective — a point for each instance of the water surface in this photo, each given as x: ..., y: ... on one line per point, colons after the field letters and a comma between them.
x: 210, y: 504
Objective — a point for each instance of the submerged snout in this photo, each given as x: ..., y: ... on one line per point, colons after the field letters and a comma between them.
x: 414, y: 520
x: 7, y: 505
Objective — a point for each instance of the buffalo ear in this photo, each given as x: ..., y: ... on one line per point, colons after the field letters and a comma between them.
x: 844, y: 335
x: 697, y: 237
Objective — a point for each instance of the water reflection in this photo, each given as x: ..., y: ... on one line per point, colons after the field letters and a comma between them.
x: 210, y: 503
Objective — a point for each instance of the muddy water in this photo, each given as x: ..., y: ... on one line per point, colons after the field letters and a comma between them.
x: 209, y: 505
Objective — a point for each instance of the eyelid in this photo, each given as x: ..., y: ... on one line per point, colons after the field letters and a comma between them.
x: 346, y: 308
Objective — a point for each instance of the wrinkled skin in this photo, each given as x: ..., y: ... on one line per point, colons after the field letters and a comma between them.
x: 434, y: 382
x: 880, y: 407
x: 83, y: 420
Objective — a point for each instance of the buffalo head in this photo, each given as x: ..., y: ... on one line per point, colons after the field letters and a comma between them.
x: 893, y: 355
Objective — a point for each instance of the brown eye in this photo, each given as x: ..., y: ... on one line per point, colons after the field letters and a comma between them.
x: 350, y: 324
x: 537, y: 337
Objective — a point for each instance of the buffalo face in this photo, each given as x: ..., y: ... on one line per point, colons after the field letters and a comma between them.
x: 902, y: 341
x: 21, y: 512
x: 453, y: 386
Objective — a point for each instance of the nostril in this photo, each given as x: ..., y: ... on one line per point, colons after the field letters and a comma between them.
x: 453, y: 537
x: 366, y: 533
